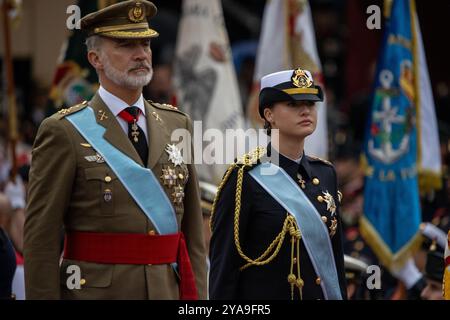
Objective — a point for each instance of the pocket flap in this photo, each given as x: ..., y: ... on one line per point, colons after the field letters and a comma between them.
x: 99, y: 173
x: 92, y: 275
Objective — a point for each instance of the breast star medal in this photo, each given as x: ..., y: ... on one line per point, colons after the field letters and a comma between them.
x: 174, y: 154
x: 331, y: 205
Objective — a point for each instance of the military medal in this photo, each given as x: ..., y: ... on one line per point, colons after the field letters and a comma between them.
x: 183, y: 176
x: 331, y: 205
x: 301, y: 181
x: 333, y: 226
x: 135, y: 132
x: 178, y: 195
x: 169, y: 177
x: 107, y: 195
x: 174, y: 154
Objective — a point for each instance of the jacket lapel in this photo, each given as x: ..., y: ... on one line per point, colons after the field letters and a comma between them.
x: 158, y: 135
x: 114, y: 133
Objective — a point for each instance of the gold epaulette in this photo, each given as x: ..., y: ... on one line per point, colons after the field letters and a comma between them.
x: 166, y: 106
x: 320, y: 159
x: 66, y: 111
x: 169, y: 106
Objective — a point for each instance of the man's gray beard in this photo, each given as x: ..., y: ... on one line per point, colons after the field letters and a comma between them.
x: 123, y: 79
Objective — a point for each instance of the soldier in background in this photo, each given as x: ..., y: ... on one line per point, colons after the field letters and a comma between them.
x: 434, y: 273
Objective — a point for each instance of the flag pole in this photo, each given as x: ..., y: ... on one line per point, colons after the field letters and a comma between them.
x: 10, y: 91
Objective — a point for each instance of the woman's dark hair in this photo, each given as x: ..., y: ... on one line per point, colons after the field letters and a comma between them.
x: 268, y: 127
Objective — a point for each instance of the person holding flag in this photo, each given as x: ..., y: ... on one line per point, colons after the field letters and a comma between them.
x: 401, y: 146
x: 108, y: 173
x: 276, y: 229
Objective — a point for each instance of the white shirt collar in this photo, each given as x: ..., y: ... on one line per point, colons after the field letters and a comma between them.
x: 116, y: 105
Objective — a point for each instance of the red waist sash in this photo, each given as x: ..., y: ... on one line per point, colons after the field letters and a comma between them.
x: 131, y: 248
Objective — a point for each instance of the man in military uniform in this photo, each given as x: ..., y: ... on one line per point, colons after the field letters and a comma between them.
x: 434, y: 273
x: 434, y: 243
x: 278, y: 235
x: 107, y: 171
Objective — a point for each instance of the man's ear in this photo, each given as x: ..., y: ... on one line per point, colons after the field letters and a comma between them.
x: 94, y: 60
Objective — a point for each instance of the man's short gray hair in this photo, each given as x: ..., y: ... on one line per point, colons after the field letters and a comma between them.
x: 93, y: 43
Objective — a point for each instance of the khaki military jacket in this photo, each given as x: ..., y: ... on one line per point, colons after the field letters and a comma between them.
x: 73, y: 189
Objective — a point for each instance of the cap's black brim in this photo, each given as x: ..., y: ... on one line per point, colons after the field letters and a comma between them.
x: 306, y: 97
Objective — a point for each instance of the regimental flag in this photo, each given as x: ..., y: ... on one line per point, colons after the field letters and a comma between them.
x: 392, y: 147
x: 206, y: 85
x: 446, y: 279
x: 288, y: 41
x: 75, y: 80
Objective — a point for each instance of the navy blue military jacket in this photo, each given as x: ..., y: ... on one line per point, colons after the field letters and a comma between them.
x: 261, y: 220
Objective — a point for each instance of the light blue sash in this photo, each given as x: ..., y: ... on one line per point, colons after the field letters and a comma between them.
x: 140, y: 182
x: 314, y: 232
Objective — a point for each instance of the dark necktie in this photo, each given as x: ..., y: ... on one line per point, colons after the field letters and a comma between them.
x: 135, y: 133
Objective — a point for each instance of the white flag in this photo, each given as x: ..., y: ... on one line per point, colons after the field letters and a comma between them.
x: 283, y: 46
x: 429, y: 161
x: 205, y: 81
